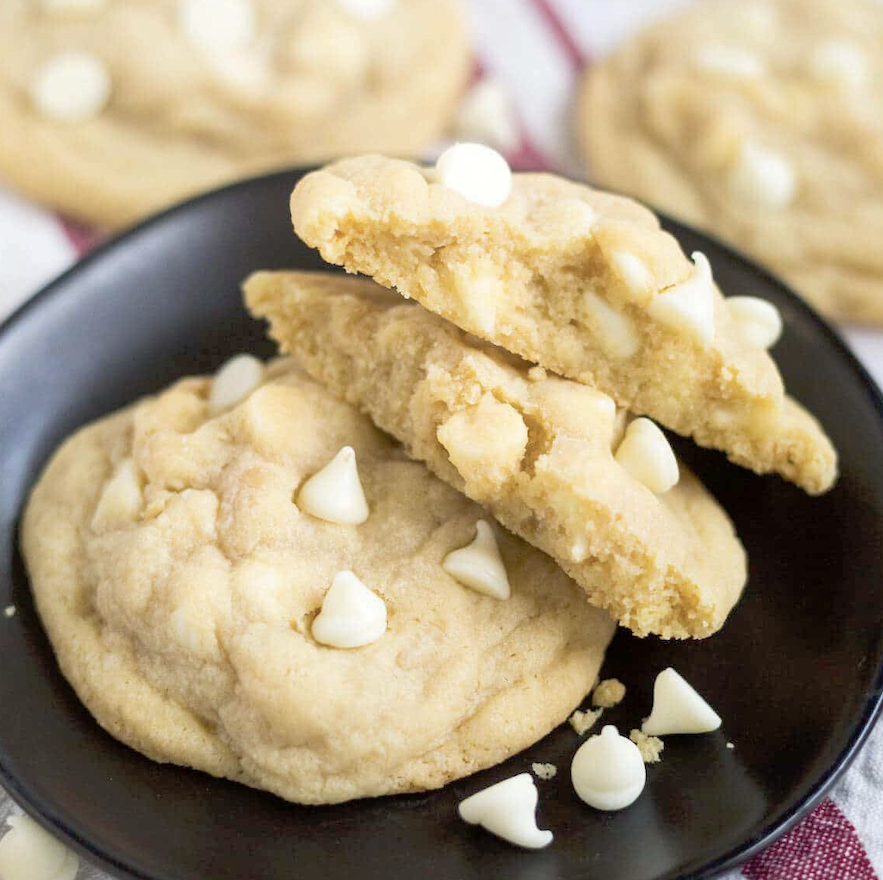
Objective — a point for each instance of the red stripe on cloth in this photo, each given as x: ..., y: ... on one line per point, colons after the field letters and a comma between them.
x: 572, y: 50
x: 823, y: 846
x: 82, y: 238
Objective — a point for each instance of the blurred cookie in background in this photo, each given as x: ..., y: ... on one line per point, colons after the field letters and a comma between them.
x: 762, y: 123
x: 111, y: 109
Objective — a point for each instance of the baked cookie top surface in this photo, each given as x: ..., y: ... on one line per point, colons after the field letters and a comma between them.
x: 759, y: 121
x: 584, y: 283
x: 113, y: 108
x: 552, y: 458
x: 180, y: 584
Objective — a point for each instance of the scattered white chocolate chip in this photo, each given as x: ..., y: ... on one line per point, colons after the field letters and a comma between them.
x: 762, y: 177
x: 757, y: 321
x: 647, y: 455
x: 217, y: 25
x: 732, y: 62
x: 234, y: 381
x: 508, y: 809
x: 689, y: 306
x: 485, y: 116
x: 351, y: 615
x: 120, y: 499
x: 582, y: 722
x: 608, y: 770
x: 650, y: 747
x: 608, y: 693
x: 544, y: 771
x: 614, y: 332
x: 27, y: 852
x: 730, y: 745
x: 335, y: 493
x: 634, y: 272
x: 73, y: 6
x: 477, y: 172
x: 840, y: 63
x: 367, y: 10
x: 677, y: 708
x: 71, y: 87
x: 479, y: 565
x: 9, y: 611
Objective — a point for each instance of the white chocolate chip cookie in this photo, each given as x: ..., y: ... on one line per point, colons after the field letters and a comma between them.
x: 199, y: 625
x: 764, y: 128
x: 111, y: 110
x: 538, y: 452
x: 579, y: 281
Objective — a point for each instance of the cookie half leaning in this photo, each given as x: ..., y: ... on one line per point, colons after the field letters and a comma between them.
x: 537, y: 450
x: 179, y: 582
x: 580, y: 281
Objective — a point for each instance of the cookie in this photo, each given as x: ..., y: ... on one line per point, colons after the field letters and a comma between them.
x: 760, y: 122
x: 112, y: 109
x: 547, y: 456
x: 181, y: 585
x: 580, y: 281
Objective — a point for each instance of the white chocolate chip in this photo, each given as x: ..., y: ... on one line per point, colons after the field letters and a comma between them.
x: 120, y: 501
x: 217, y: 25
x: 839, y: 63
x: 762, y: 177
x: 677, y: 708
x: 647, y: 455
x: 351, y: 615
x: 367, y: 10
x: 27, y: 852
x: 480, y: 290
x: 485, y: 116
x: 732, y: 62
x: 757, y: 321
x: 632, y: 270
x: 71, y: 87
x: 73, y: 6
x: 608, y: 771
x: 579, y: 549
x: 479, y: 564
x: 614, y: 332
x: 9, y: 611
x: 689, y: 306
x: 508, y: 809
x: 335, y: 493
x: 477, y: 172
x: 234, y: 381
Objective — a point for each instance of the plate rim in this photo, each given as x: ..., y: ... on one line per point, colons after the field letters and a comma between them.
x: 862, y: 725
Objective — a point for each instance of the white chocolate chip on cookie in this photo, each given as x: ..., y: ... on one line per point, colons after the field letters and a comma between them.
x: 839, y: 63
x: 608, y: 771
x: 367, y: 10
x: 677, y: 708
x: 689, y: 306
x: 479, y: 564
x: 732, y: 62
x: 479, y: 173
x: 485, y: 116
x: 615, y: 332
x: 335, y: 493
x: 351, y: 615
x: 758, y: 321
x: 71, y: 87
x: 218, y: 25
x: 234, y: 381
x: 508, y: 810
x: 27, y: 852
x: 73, y: 6
x: 647, y: 455
x: 632, y: 270
x: 120, y: 500
x: 762, y: 177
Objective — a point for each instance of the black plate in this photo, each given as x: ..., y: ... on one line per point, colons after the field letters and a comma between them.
x: 796, y: 673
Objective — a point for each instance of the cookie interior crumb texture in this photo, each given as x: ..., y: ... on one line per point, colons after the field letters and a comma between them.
x: 650, y: 747
x: 608, y: 693
x: 182, y: 614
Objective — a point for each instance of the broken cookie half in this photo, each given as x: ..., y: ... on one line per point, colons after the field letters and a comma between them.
x: 637, y: 531
x: 583, y: 282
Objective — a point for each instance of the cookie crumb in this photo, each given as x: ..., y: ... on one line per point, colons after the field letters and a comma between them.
x: 582, y: 722
x: 650, y: 747
x: 730, y: 745
x: 608, y: 693
x: 544, y: 771
x: 9, y: 611
x: 536, y: 374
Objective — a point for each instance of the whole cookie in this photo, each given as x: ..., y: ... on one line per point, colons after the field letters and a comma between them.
x: 179, y: 582
x: 758, y: 121
x: 112, y: 109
